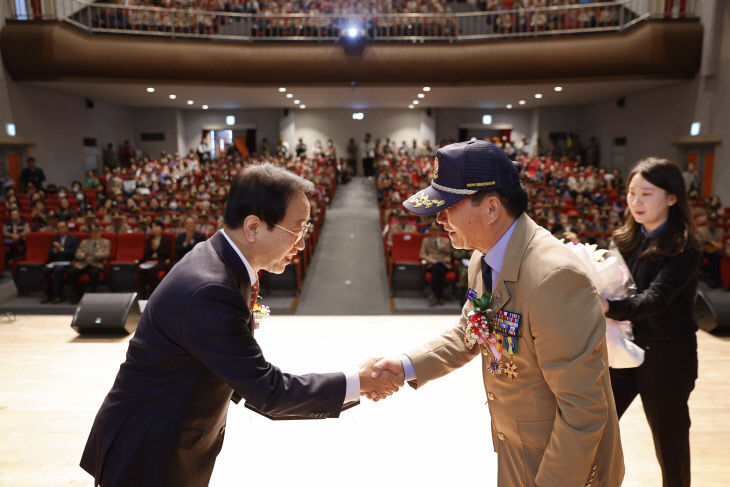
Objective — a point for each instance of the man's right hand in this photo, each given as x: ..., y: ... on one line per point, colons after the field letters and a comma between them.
x: 381, y: 384
x: 386, y: 367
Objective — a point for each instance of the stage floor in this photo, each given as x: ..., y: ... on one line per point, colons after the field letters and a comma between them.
x: 52, y: 382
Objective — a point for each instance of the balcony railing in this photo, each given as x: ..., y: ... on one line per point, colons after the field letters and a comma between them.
x: 111, y: 18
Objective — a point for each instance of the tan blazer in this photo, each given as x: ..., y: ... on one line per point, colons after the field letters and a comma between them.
x: 431, y: 252
x: 555, y: 424
x: 87, y: 255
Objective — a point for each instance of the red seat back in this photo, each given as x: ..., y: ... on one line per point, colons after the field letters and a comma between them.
x: 406, y: 248
x: 37, y: 245
x: 130, y: 246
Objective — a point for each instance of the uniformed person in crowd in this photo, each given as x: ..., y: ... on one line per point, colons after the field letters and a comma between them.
x: 436, y: 256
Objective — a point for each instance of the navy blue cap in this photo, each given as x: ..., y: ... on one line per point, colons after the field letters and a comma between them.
x: 460, y: 170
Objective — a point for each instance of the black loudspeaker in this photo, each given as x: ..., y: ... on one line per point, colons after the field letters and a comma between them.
x: 429, y: 112
x: 89, y: 103
x: 106, y: 314
x: 621, y: 102
x: 712, y: 310
x: 286, y: 112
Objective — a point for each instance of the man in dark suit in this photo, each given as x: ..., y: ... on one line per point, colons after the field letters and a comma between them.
x: 163, y: 422
x: 186, y: 240
x: 60, y: 255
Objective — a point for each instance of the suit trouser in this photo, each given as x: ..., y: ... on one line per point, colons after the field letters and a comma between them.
x: 53, y: 280
x: 438, y: 279
x: 664, y: 381
x: 75, y: 273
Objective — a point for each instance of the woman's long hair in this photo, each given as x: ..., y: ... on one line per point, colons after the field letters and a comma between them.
x: 679, y: 231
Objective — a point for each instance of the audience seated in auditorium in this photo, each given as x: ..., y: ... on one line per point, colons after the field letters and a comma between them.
x: 15, y: 232
x: 90, y: 259
x: 188, y: 238
x: 156, y: 259
x: 436, y: 256
x: 62, y: 251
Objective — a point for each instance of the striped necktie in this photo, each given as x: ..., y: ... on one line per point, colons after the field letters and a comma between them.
x: 254, y: 295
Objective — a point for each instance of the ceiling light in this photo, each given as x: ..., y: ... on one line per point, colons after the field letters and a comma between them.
x: 538, y: 95
x: 289, y: 95
x: 205, y: 107
x: 282, y: 90
x: 190, y: 102
x: 172, y: 97
x: 410, y: 106
x: 421, y: 95
x: 509, y: 106
x: 230, y: 120
x: 426, y: 88
x: 415, y: 102
x: 297, y: 102
x: 150, y: 90
x: 10, y: 129
x: 558, y: 88
x: 302, y: 106
x: 522, y: 102
x: 358, y: 116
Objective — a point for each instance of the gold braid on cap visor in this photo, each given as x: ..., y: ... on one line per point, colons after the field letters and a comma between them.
x: 451, y: 190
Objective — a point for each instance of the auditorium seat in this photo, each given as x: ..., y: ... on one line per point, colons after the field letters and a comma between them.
x: 405, y: 263
x: 123, y: 269
x: 28, y: 271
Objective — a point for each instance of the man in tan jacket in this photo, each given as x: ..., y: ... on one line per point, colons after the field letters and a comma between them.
x: 436, y: 257
x: 544, y: 356
x: 90, y: 258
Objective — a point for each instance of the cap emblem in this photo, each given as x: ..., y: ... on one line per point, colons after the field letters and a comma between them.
x: 420, y: 199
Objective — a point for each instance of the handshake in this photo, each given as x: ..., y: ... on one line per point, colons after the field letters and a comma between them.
x: 380, y: 377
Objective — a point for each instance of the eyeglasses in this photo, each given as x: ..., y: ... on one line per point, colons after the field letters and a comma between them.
x: 300, y: 234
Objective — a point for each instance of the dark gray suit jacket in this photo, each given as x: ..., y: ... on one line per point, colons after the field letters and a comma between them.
x: 163, y: 422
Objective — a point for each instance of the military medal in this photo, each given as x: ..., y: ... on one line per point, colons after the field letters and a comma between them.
x: 495, y: 366
x: 510, y: 370
x: 495, y: 334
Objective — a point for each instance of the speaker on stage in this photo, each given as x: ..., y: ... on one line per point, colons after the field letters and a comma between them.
x: 712, y: 310
x: 106, y: 313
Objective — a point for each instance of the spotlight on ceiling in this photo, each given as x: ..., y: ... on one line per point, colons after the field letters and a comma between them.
x: 289, y: 95
x: 410, y: 106
x: 426, y: 88
x: 150, y: 90
x: 282, y: 90
x: 522, y: 102
x: 538, y: 95
x: 190, y: 102
x: 172, y: 97
x: 509, y: 106
x: 558, y: 88
x: 204, y: 107
x: 421, y: 95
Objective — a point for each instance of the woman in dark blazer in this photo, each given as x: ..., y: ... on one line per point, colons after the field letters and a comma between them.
x: 658, y: 243
x: 157, y: 252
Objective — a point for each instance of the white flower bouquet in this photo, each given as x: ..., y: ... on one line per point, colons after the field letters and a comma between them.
x: 612, y: 278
